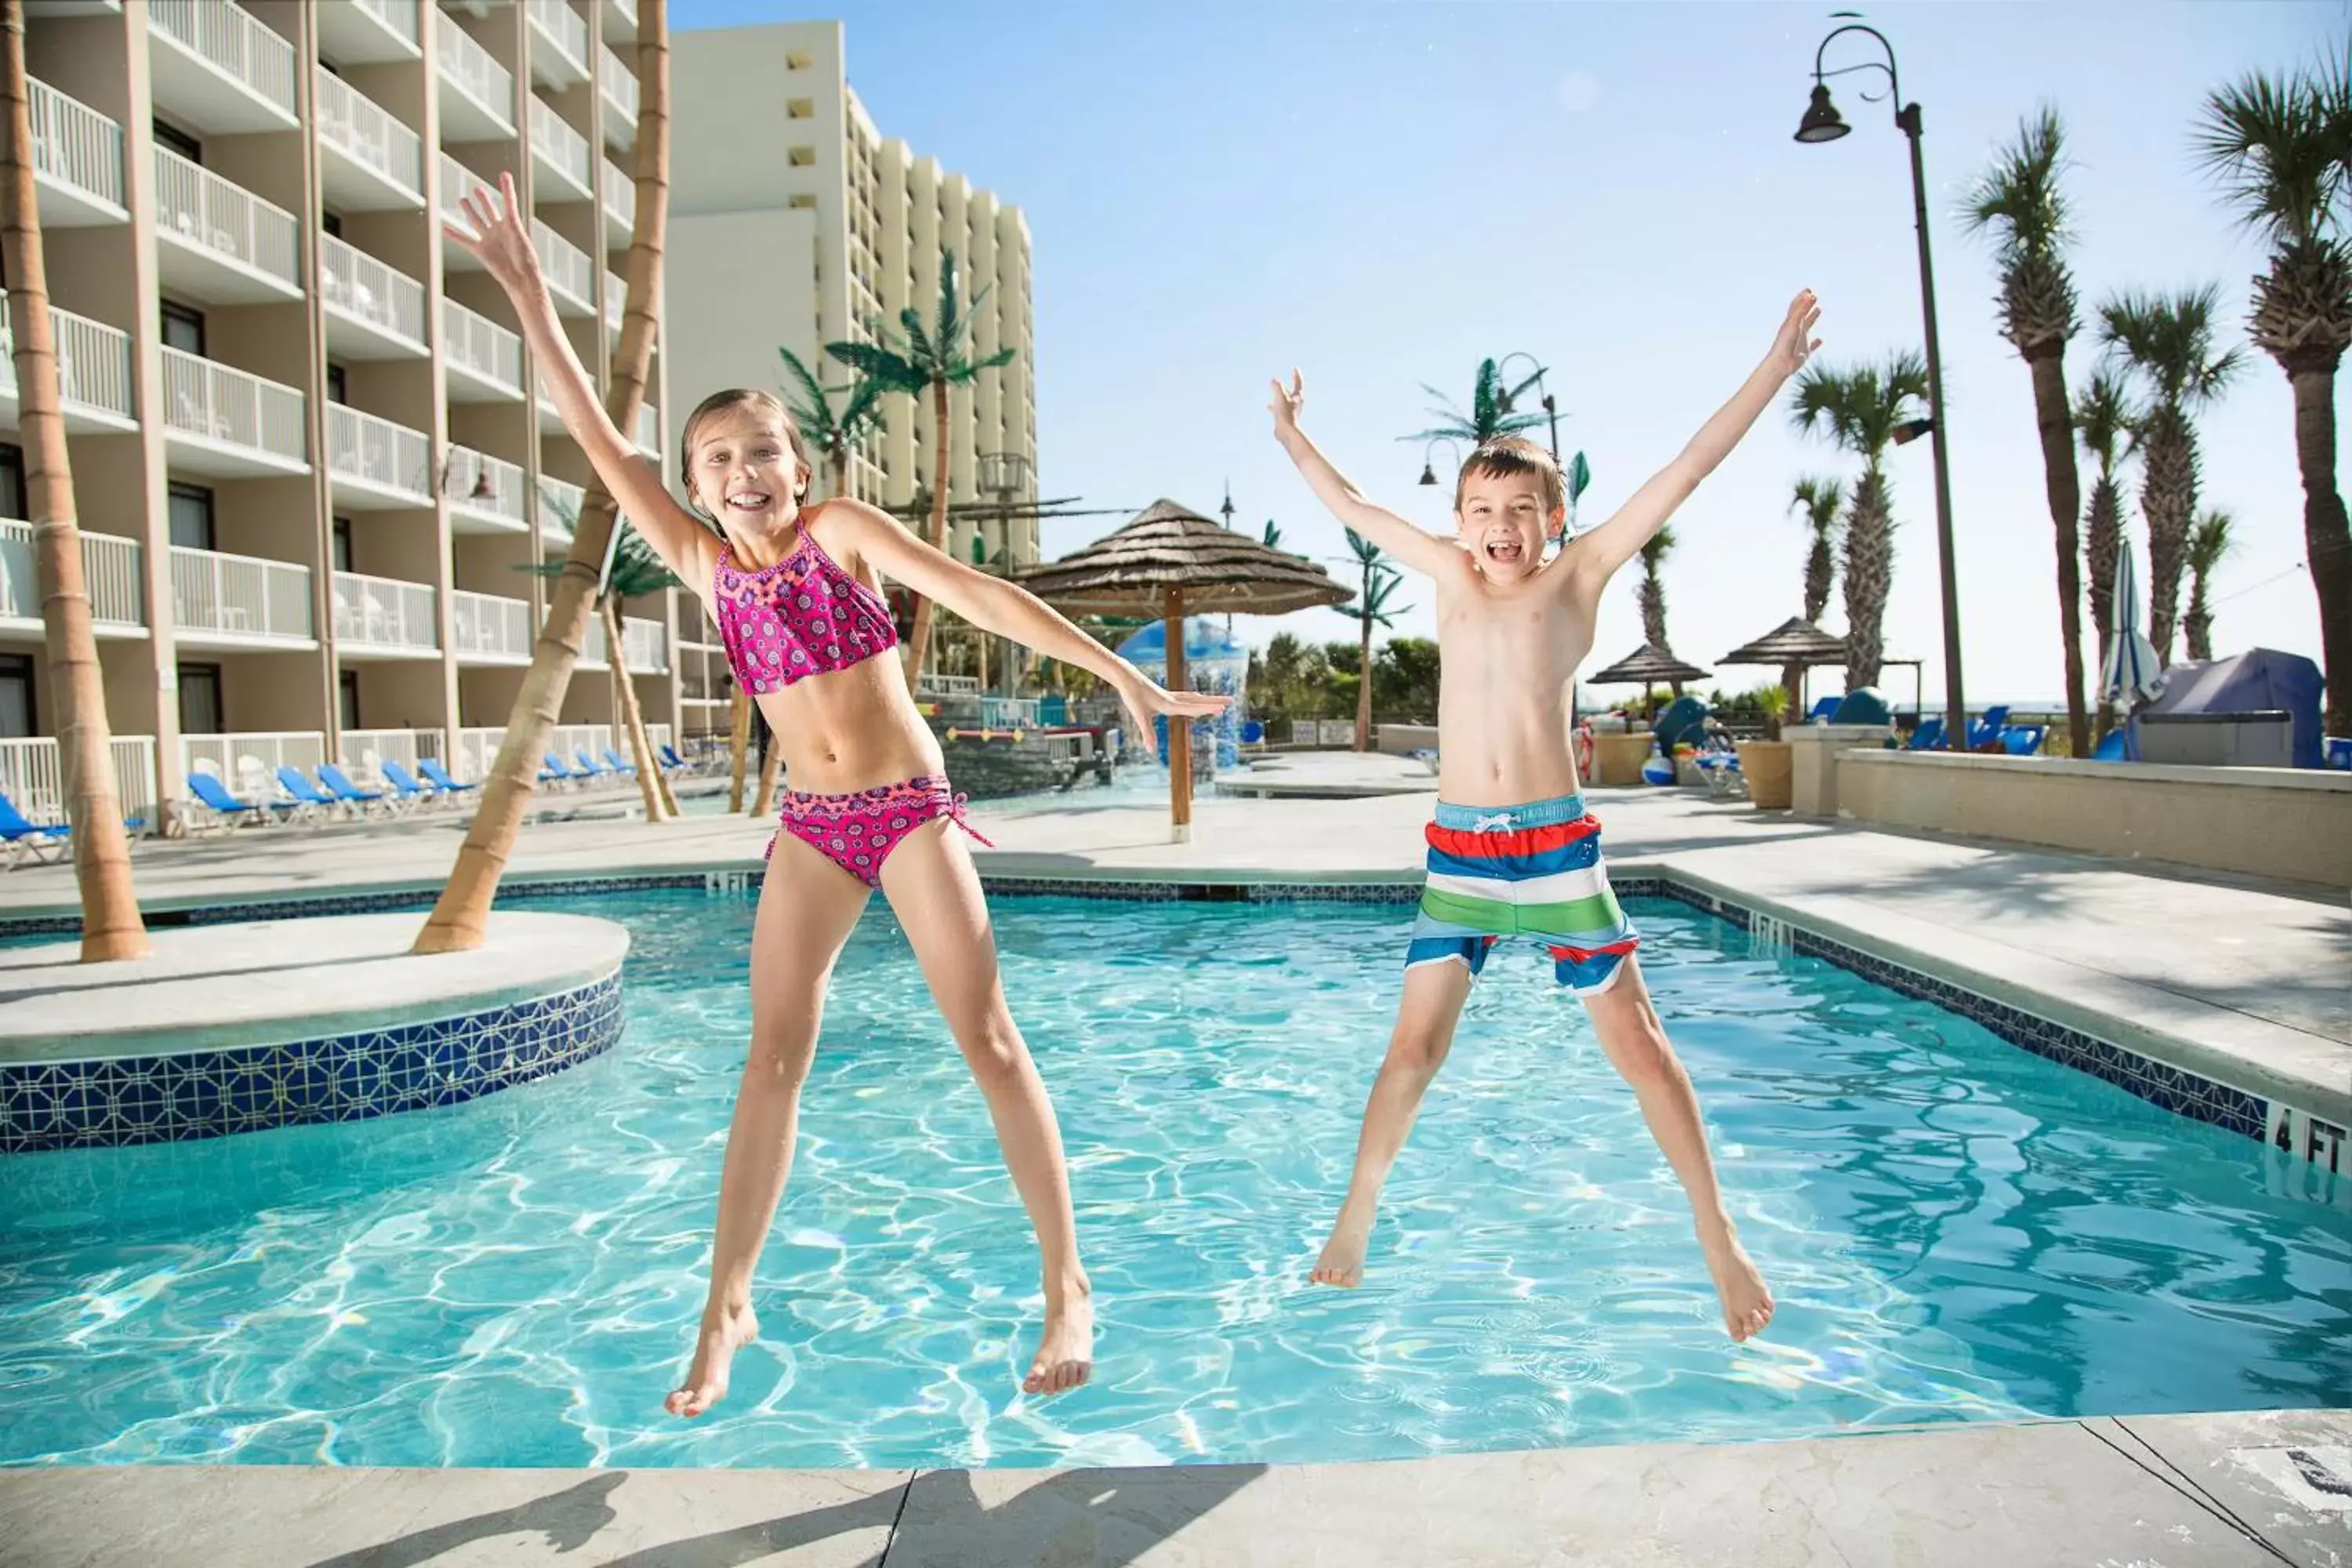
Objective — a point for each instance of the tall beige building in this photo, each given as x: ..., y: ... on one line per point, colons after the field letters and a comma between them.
x: 794, y: 223
x: 311, y: 467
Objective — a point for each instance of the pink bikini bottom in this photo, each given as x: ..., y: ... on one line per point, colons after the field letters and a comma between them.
x: 857, y: 831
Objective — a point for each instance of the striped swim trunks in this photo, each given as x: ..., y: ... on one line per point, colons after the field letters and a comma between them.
x: 1522, y: 870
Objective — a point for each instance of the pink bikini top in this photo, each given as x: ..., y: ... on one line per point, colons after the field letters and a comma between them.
x: 803, y: 616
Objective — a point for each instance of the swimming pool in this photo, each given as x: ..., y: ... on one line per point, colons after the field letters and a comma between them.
x: 1956, y: 1230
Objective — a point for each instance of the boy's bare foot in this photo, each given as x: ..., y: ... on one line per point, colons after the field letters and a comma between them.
x: 1342, y: 1263
x: 1747, y: 1300
x: 1065, y: 1350
x: 724, y: 1332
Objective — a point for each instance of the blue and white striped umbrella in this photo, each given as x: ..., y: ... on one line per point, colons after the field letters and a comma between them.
x: 2130, y: 675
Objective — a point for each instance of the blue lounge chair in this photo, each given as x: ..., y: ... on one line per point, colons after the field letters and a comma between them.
x: 2339, y: 752
x: 438, y: 777
x: 347, y: 794
x: 612, y: 760
x: 309, y: 798
x: 26, y: 840
x: 2024, y: 740
x: 404, y: 787
x: 214, y: 797
x: 2115, y: 748
x: 1823, y: 707
x: 671, y: 762
x: 553, y: 771
x: 1986, y: 728
x: 1928, y: 735
x: 587, y: 767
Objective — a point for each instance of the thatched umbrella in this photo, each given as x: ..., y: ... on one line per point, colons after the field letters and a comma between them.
x: 1796, y: 644
x: 1646, y: 664
x: 1171, y: 562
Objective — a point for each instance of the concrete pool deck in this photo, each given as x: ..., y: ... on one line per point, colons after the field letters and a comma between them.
x: 2178, y: 1491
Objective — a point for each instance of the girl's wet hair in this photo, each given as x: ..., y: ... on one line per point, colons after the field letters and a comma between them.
x: 1505, y: 456
x: 737, y: 397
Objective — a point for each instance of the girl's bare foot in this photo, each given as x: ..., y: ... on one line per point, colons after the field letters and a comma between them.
x: 1065, y: 1350
x: 724, y: 1332
x: 1747, y: 1300
x: 1342, y: 1263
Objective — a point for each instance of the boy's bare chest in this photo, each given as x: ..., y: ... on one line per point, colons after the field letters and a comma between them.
x: 1530, y: 636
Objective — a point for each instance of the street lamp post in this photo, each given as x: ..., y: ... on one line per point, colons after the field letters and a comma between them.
x: 1821, y: 122
x: 1551, y: 409
x: 1428, y: 466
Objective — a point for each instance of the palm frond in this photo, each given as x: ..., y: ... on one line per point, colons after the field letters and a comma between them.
x: 1271, y: 539
x: 2168, y: 339
x: 895, y: 371
x: 1656, y: 548
x: 1823, y: 501
x: 950, y: 324
x: 1858, y: 407
x: 2018, y: 196
x: 812, y: 402
x: 2105, y: 418
x: 2273, y: 142
x: 2210, y: 539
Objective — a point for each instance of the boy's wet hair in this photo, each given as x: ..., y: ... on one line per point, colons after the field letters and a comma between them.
x: 737, y: 397
x: 1507, y: 457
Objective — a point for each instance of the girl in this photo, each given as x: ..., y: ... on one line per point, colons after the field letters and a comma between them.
x: 792, y: 590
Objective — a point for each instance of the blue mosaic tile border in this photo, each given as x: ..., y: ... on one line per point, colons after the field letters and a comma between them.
x: 348, y: 1077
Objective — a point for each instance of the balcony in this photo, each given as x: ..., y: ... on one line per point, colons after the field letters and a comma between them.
x: 240, y: 600
x: 32, y: 775
x: 248, y: 761
x: 385, y: 616
x: 110, y: 570
x: 620, y: 20
x: 571, y: 276
x: 477, y: 94
x: 486, y: 493
x: 370, y: 162
x: 616, y: 84
x: 617, y: 301
x: 366, y: 751
x: 457, y: 183
x: 374, y: 463
x: 560, y: 504
x: 649, y: 431
x: 219, y: 242
x: 645, y: 642
x: 482, y: 359
x: 94, y: 377
x: 369, y: 32
x: 562, y: 152
x: 558, y: 43
x: 486, y: 629
x: 229, y: 424
x: 76, y: 162
x: 373, y: 311
x: 218, y: 67
x: 620, y: 203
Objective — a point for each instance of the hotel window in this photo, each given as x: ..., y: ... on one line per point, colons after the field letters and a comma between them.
x: 801, y: 157
x: 16, y: 713
x: 184, y: 329
x: 800, y: 109
x: 804, y: 203
x: 799, y: 60
x: 190, y: 513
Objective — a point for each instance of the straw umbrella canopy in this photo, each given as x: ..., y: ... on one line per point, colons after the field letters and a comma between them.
x: 1646, y: 664
x: 1171, y: 562
x: 1795, y: 644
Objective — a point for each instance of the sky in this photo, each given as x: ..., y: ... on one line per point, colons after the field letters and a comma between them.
x: 1381, y: 193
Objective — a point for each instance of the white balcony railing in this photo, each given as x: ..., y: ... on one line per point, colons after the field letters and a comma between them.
x: 93, y: 361
x: 646, y: 643
x: 109, y: 571
x: 649, y: 430
x: 236, y: 45
x: 469, y: 760
x: 478, y: 483
x: 32, y: 775
x: 76, y: 145
x: 553, y: 139
x: 618, y: 83
x: 366, y: 751
x: 203, y: 209
x: 248, y: 761
x: 616, y: 299
x: 232, y: 406
x: 350, y: 119
x: 488, y: 626
x: 359, y: 285
x: 620, y: 194
x: 478, y: 75
x: 376, y: 451
x: 565, y: 28
x: 559, y: 503
x: 239, y: 595
x: 458, y: 182
x: 481, y: 346
x: 399, y: 17
x: 569, y: 271
x: 384, y: 613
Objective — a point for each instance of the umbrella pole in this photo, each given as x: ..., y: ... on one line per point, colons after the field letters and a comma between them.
x: 1179, y: 729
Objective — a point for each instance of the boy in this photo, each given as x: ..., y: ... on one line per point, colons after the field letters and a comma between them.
x: 1513, y: 851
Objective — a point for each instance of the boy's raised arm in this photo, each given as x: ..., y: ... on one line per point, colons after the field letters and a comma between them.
x: 1422, y: 552
x: 1597, y: 554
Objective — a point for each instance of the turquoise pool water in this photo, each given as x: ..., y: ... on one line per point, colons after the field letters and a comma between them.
x: 1957, y: 1230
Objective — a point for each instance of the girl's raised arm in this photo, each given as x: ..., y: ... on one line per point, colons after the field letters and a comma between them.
x: 497, y: 240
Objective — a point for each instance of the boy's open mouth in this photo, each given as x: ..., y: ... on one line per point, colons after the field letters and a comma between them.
x: 1506, y: 551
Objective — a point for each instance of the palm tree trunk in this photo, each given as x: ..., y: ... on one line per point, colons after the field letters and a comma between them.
x: 841, y: 474
x: 2326, y: 540
x: 110, y: 924
x: 462, y: 914
x: 1869, y: 567
x: 739, y: 743
x: 2198, y: 622
x: 2169, y: 501
x: 632, y: 717
x: 919, y: 643
x: 771, y: 764
x: 2054, y: 416
x: 2103, y: 538
x: 1654, y: 611
x: 1364, y: 690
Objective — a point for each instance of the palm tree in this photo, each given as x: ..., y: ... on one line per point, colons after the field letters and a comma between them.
x: 1371, y: 608
x: 1272, y: 538
x: 915, y: 361
x: 1490, y: 414
x: 462, y: 913
x: 1655, y: 552
x: 2167, y: 343
x: 2106, y: 420
x: 110, y: 924
x: 1821, y: 500
x: 635, y: 572
x: 2209, y: 541
x: 2282, y: 147
x: 835, y: 432
x: 1859, y: 409
x: 2018, y: 198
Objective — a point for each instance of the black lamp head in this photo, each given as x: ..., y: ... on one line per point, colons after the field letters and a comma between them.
x: 1821, y: 122
x: 1911, y: 430
x: 1428, y: 474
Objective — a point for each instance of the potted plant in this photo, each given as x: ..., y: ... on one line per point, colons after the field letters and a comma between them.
x: 1766, y: 763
